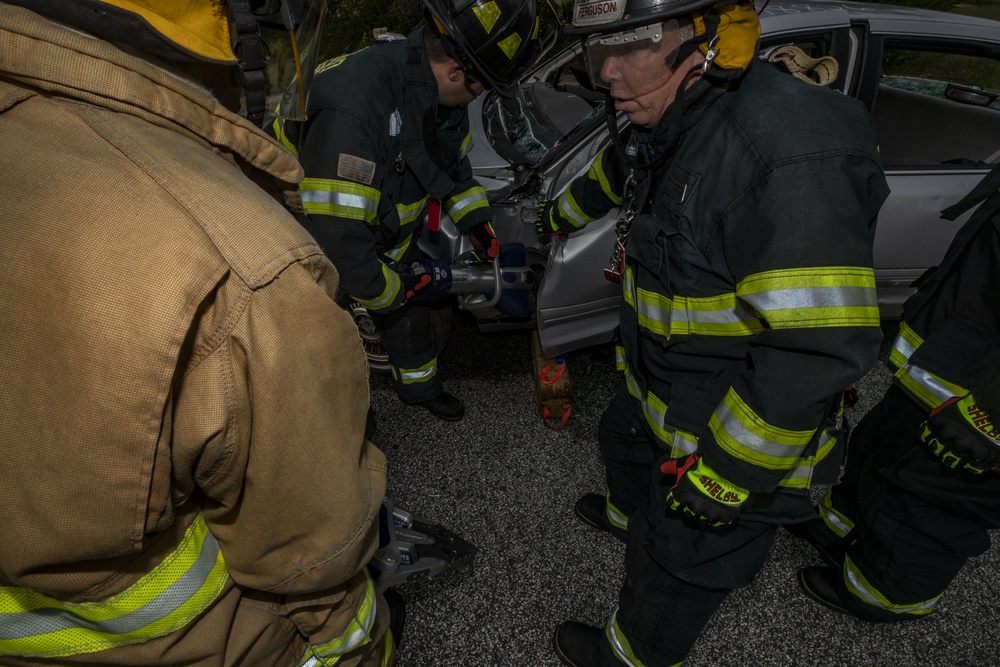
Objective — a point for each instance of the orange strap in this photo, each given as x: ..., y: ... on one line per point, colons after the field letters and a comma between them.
x: 567, y: 409
x: 552, y: 378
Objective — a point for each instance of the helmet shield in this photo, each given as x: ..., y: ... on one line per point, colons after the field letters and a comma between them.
x: 292, y: 39
x: 635, y: 46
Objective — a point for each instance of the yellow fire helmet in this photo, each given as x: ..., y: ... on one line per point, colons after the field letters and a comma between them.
x: 274, y: 43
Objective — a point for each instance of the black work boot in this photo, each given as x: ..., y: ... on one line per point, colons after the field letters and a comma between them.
x: 578, y: 645
x: 397, y: 614
x: 815, y: 532
x: 820, y: 584
x: 592, y: 510
x: 444, y: 406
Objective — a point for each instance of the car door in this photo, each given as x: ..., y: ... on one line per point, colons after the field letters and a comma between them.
x: 932, y: 89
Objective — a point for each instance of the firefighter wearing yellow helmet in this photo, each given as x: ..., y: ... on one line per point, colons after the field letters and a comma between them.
x: 186, y: 476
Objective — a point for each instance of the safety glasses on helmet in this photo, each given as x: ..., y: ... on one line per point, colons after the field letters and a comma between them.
x: 635, y: 47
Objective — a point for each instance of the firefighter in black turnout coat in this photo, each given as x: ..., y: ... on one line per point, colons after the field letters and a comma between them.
x: 385, y: 143
x: 922, y: 483
x: 749, y: 205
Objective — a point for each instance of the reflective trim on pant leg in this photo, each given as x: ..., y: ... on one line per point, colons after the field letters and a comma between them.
x: 834, y: 520
x: 619, y: 642
x: 864, y: 591
x: 614, y: 515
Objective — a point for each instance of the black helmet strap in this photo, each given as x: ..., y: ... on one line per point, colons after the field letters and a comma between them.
x: 252, y: 56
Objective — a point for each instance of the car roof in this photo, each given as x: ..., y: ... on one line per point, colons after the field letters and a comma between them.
x: 780, y: 15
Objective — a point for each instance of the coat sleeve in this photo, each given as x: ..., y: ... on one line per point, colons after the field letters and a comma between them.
x: 587, y: 198
x: 271, y: 425
x: 803, y: 266
x: 466, y: 204
x: 344, y: 167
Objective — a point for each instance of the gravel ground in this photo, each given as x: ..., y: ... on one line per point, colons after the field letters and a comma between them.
x: 504, y: 482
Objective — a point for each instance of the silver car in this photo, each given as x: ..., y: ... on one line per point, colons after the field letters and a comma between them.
x: 930, y: 80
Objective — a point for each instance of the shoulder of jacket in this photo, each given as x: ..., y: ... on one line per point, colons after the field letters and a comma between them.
x: 783, y: 117
x: 254, y: 234
x: 367, y: 82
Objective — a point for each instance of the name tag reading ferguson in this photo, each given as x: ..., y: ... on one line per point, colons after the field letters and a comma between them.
x: 591, y: 12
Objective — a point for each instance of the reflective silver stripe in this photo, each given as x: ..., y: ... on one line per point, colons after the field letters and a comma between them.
x: 356, y: 207
x: 809, y: 297
x: 414, y: 375
x: 571, y: 211
x: 476, y: 198
x: 619, y: 644
x: 933, y: 384
x: 834, y: 519
x: 614, y: 515
x: 747, y: 438
x: 49, y: 620
x: 860, y: 587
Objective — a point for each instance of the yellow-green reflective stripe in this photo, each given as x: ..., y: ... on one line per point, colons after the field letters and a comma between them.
x: 392, y: 286
x: 279, y: 132
x: 169, y: 597
x: 828, y: 296
x: 653, y: 310
x: 906, y: 343
x: 340, y: 198
x: 931, y: 389
x: 356, y: 634
x: 653, y: 409
x: 684, y: 443
x: 619, y: 642
x: 415, y: 375
x: 614, y: 515
x: 571, y: 211
x: 721, y: 315
x: 744, y: 435
x: 863, y: 590
x: 467, y: 145
x: 596, y: 173
x: 409, y: 212
x: 928, y: 387
x: 462, y: 204
x: 835, y: 521
x: 800, y: 475
x: 619, y: 358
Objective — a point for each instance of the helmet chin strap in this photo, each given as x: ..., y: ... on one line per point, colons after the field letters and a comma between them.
x: 251, y: 54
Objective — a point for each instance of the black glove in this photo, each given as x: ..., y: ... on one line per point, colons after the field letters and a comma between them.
x: 702, y: 493
x: 484, y: 242
x: 544, y: 225
x: 962, y: 436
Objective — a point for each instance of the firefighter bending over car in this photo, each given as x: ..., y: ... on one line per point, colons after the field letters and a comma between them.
x: 185, y: 476
x: 385, y: 142
x: 744, y: 252
x: 922, y: 483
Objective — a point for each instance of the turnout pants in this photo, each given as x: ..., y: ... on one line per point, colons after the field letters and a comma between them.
x: 678, y: 571
x: 414, y: 336
x: 905, y: 523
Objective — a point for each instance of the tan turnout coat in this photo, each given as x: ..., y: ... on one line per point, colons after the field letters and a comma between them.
x: 168, y: 347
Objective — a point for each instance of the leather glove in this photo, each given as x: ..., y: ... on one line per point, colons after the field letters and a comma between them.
x: 702, y: 493
x: 962, y: 436
x: 484, y: 242
x: 543, y: 220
